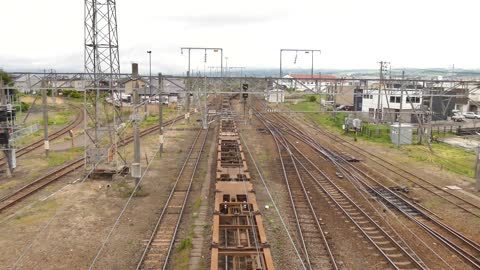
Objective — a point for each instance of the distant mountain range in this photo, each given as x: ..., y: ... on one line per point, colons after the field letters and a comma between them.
x: 409, y: 72
x: 394, y: 73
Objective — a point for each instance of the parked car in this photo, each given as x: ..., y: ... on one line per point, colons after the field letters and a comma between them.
x: 471, y: 115
x: 345, y: 108
x: 458, y: 118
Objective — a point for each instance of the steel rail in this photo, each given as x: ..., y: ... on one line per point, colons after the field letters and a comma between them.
x: 34, y: 145
x: 472, y: 256
x: 11, y: 199
x: 169, y: 200
x: 279, y: 141
x: 14, y: 197
x: 388, y: 257
x: 327, y: 190
x: 399, y: 171
x: 472, y: 259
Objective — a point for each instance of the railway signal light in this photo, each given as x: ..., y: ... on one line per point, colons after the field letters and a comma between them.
x: 245, y: 86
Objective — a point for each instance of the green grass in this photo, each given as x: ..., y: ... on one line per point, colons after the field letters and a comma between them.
x: 183, y: 253
x: 197, y: 203
x: 58, y: 119
x: 444, y: 156
x: 327, y: 119
x: 29, y: 138
x: 124, y: 189
x: 447, y: 157
x: 153, y: 118
x: 8, y: 185
x: 59, y: 158
x: 38, y: 213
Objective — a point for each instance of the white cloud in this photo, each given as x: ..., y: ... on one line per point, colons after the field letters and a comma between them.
x: 350, y: 33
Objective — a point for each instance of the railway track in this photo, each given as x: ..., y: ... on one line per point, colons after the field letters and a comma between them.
x: 11, y: 199
x: 458, y: 243
x: 396, y: 252
x: 41, y: 182
x: 160, y: 244
x: 434, y: 189
x: 462, y: 246
x: 239, y: 241
x: 36, y: 144
x: 306, y: 220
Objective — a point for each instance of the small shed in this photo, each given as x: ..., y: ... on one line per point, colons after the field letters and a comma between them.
x: 172, y: 98
x: 401, y: 134
x: 276, y: 95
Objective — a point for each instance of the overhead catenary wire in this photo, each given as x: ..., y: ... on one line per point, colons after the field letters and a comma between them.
x: 250, y: 214
x: 284, y: 225
x: 47, y: 224
x: 117, y: 220
x: 344, y: 171
x: 325, y: 153
x: 57, y: 213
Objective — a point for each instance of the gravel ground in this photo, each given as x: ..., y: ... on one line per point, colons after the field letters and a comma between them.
x: 66, y: 230
x: 450, y: 214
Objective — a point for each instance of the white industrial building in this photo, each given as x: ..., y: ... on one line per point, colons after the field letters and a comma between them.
x: 27, y: 83
x: 391, y: 98
x: 303, y: 82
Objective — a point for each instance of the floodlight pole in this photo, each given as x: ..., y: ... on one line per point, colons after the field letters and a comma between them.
x: 160, y: 111
x: 312, y: 51
x: 150, y: 81
x: 187, y: 115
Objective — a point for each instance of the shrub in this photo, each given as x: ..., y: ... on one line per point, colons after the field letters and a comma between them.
x: 23, y: 107
x: 311, y: 98
x: 71, y: 93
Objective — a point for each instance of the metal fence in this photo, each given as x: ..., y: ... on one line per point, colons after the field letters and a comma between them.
x: 24, y: 132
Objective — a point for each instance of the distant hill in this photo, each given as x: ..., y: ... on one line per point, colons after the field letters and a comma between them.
x: 396, y: 73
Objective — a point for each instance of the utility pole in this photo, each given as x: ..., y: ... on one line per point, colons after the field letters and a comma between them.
x: 430, y: 117
x: 477, y: 168
x: 7, y: 151
x: 335, y: 103
x: 189, y: 84
x: 45, y: 117
x: 377, y: 115
x: 226, y: 66
x: 136, y: 168
x: 312, y: 67
x: 400, y: 112
x: 319, y: 91
x: 296, y: 51
x: 189, y: 49
x: 379, y: 101
x: 160, y: 112
x: 150, y: 82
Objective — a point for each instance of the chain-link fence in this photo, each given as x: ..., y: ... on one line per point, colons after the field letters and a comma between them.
x: 24, y: 132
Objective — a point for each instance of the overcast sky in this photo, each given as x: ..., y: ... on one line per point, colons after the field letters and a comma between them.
x: 351, y: 33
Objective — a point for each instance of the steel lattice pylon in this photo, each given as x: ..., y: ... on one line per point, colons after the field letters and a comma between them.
x: 102, y: 100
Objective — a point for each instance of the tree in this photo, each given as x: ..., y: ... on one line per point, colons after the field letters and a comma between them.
x: 5, y: 77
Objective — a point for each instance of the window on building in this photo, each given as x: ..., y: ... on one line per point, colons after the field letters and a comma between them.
x: 413, y: 99
x: 394, y: 99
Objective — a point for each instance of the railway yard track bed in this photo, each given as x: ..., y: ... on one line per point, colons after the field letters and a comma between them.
x: 85, y: 213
